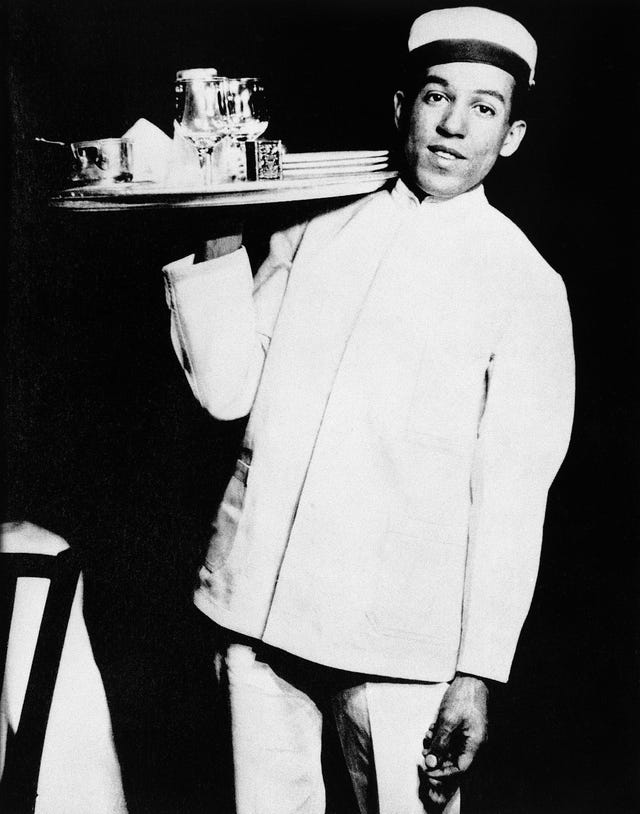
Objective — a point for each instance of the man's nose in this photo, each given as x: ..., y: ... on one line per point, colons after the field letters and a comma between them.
x: 453, y: 122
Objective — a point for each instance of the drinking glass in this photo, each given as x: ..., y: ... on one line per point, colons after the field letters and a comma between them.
x: 247, y: 108
x: 201, y: 112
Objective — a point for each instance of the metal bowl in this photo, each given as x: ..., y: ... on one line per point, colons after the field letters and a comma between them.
x: 102, y: 161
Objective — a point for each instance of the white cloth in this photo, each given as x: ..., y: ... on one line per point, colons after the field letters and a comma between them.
x: 80, y: 772
x: 276, y: 721
x: 409, y: 372
x: 153, y: 151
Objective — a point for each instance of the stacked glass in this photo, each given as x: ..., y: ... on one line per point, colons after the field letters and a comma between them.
x: 210, y: 108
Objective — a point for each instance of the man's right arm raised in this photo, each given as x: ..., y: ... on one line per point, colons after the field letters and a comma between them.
x: 222, y: 318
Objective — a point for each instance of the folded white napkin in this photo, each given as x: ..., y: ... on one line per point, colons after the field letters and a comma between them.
x: 152, y: 151
x: 174, y: 162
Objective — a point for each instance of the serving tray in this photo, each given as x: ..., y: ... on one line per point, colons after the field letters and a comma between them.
x: 144, y: 195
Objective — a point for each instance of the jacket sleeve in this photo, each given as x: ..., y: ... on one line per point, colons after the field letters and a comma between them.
x: 222, y: 320
x: 523, y: 436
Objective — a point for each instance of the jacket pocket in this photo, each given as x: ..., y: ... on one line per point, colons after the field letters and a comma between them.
x: 420, y: 582
x: 434, y: 486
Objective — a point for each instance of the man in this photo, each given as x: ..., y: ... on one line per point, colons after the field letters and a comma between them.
x: 407, y: 365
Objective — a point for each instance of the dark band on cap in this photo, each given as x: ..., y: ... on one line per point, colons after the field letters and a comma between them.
x: 440, y: 52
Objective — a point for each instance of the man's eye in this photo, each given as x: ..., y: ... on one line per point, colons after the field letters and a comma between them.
x: 434, y: 98
x: 485, y: 110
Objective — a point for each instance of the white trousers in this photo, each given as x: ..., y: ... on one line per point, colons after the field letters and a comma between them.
x: 277, y: 704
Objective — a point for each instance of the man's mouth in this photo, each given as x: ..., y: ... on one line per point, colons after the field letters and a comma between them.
x: 447, y: 153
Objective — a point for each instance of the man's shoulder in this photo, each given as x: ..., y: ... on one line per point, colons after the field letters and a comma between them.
x: 318, y: 230
x: 515, y: 252
x: 305, y: 237
x: 335, y: 216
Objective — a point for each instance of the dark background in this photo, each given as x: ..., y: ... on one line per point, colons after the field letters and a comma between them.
x: 105, y: 445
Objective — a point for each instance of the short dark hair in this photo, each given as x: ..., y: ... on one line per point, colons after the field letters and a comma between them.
x: 520, y: 102
x: 412, y: 82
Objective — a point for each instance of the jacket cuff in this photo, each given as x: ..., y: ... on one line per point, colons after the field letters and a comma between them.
x: 228, y: 265
x: 484, y: 669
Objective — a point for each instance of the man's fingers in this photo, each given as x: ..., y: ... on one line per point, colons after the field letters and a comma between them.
x: 437, y: 797
x: 439, y: 747
x: 436, y: 793
x: 448, y: 770
x: 470, y: 746
x: 440, y: 758
x: 466, y: 758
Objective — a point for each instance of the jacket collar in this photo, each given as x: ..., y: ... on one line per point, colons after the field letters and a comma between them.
x: 460, y: 206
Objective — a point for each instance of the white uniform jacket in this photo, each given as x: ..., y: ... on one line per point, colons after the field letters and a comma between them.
x: 409, y: 373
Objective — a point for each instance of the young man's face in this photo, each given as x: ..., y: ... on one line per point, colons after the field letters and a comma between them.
x: 457, y: 126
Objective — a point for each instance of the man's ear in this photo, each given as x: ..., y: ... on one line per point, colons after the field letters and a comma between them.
x: 513, y: 138
x: 398, y: 101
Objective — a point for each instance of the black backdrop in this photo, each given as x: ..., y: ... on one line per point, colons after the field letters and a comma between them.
x: 105, y: 445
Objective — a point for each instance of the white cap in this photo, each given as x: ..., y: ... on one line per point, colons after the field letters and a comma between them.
x: 473, y: 34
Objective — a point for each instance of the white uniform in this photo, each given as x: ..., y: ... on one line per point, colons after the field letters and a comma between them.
x: 409, y: 373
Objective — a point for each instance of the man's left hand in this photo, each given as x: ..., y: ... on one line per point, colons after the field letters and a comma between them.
x: 452, y: 743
